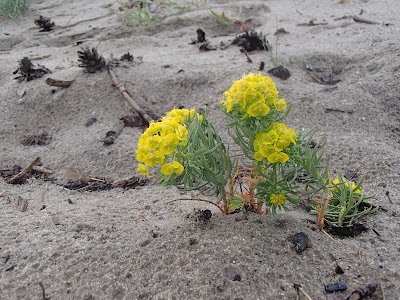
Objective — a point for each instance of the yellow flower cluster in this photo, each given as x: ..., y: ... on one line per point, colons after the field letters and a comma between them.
x: 353, y: 186
x: 161, y: 139
x: 270, y: 144
x: 278, y: 200
x: 253, y: 95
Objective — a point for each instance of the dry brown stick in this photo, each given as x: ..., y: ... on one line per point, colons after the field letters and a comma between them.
x: 126, y: 95
x: 25, y: 170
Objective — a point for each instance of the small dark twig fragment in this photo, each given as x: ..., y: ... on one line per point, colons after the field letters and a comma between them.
x: 335, y: 287
x: 45, y: 24
x: 387, y: 195
x: 312, y: 23
x: 262, y: 65
x: 43, y: 291
x: 242, y: 50
x: 91, y: 60
x: 59, y: 83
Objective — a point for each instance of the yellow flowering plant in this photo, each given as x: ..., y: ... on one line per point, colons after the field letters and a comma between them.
x: 344, y: 206
x: 282, y: 164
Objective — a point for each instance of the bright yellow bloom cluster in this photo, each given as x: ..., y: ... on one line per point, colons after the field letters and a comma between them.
x: 353, y: 186
x: 278, y: 200
x: 161, y: 139
x: 270, y: 144
x: 253, y: 95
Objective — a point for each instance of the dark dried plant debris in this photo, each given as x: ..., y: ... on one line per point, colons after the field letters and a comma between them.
x: 251, y: 41
x: 207, y: 47
x: 201, y: 36
x: 262, y: 65
x: 203, y: 215
x: 131, y: 182
x: 364, y: 292
x: 91, y: 121
x: 280, y: 31
x: 91, y: 60
x: 33, y: 173
x: 91, y: 186
x: 301, y: 242
x: 40, y: 140
x: 104, y: 185
x: 45, y: 24
x: 348, y: 231
x: 336, y: 287
x: 280, y: 72
x: 127, y: 56
x: 132, y: 121
x: 28, y: 71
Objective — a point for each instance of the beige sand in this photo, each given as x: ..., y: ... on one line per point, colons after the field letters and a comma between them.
x: 131, y: 244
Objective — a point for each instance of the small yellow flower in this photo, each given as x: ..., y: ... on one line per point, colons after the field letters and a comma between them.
x: 178, y: 168
x: 278, y: 200
x: 258, y: 109
x: 168, y: 168
x: 258, y: 156
x: 169, y: 143
x: 140, y: 154
x: 270, y: 137
x: 154, y: 158
x: 181, y: 132
x: 267, y: 150
x: 143, y: 169
x: 152, y: 142
x: 353, y: 186
x: 278, y: 156
x: 280, y: 104
x: 282, y: 143
x: 229, y: 103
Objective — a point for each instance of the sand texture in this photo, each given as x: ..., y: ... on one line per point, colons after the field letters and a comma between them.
x: 131, y: 243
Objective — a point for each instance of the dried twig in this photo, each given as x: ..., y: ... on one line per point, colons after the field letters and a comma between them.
x: 25, y: 170
x: 329, y: 236
x: 3, y: 193
x: 43, y: 170
x: 242, y: 50
x: 43, y: 291
x: 299, y: 288
x: 361, y: 20
x: 126, y: 95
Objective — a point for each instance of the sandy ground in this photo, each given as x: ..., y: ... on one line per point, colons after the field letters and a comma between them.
x: 131, y: 244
